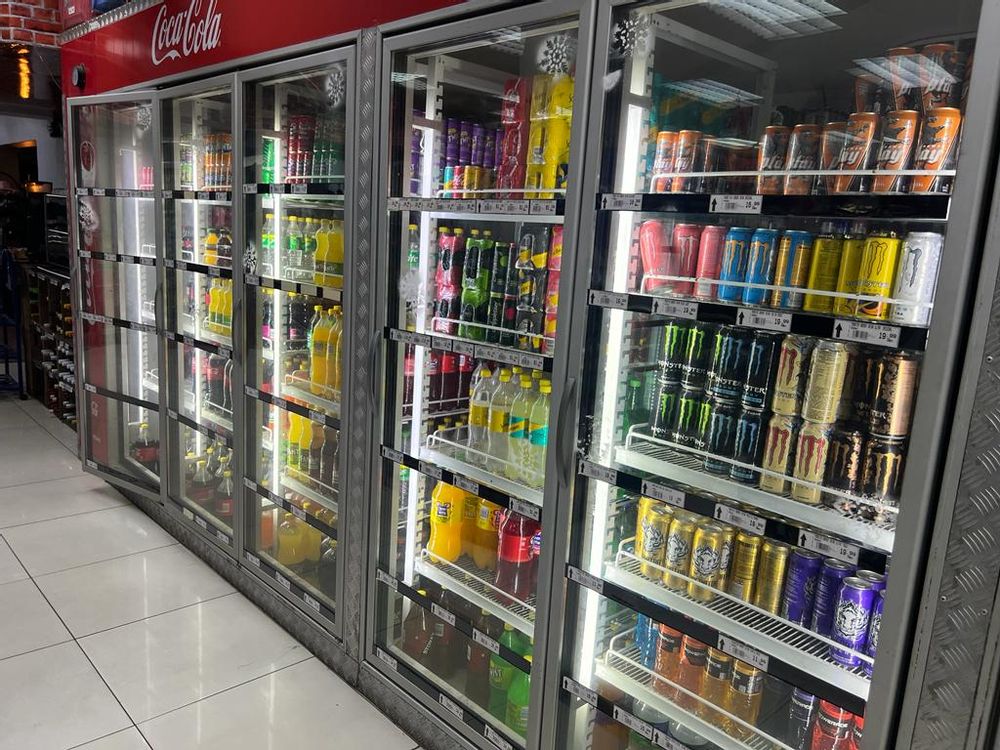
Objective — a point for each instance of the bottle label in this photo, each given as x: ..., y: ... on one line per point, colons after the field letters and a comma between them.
x: 489, y: 516
x: 695, y: 654
x: 539, y: 434
x: 670, y: 640
x: 478, y: 414
x: 515, y: 548
x: 499, y: 421
x: 719, y: 666
x: 748, y: 683
x: 442, y: 511
x: 517, y: 425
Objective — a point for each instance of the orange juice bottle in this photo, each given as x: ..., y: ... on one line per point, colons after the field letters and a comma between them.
x: 470, y: 510
x: 214, y: 306
x: 319, y: 337
x: 322, y: 256
x: 295, y: 428
x: 335, y: 259
x: 212, y: 247
x: 333, y: 353
x: 447, y: 514
x: 484, y: 548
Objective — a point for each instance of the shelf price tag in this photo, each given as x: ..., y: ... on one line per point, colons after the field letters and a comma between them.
x: 542, y: 207
x: 585, y: 579
x: 392, y: 454
x: 253, y: 560
x: 667, y: 494
x: 601, y: 298
x: 443, y: 614
x: 583, y: 693
x: 735, y: 204
x: 282, y: 581
x: 503, y: 207
x: 493, y: 736
x: 222, y: 537
x: 490, y: 644
x: 866, y: 333
x: 99, y: 192
x: 91, y: 463
x: 829, y: 546
x: 430, y: 470
x: 463, y: 483
x: 385, y: 657
x: 298, y: 512
x: 675, y: 308
x: 310, y: 601
x: 452, y: 707
x: 621, y: 202
x: 201, y: 522
x: 187, y: 514
x: 666, y: 741
x: 250, y: 189
x: 525, y: 509
x: 204, y: 195
x: 463, y: 347
x: 743, y: 652
x: 317, y: 416
x: 633, y: 723
x: 751, y: 317
x: 442, y: 344
x: 742, y: 519
x: 595, y: 471
x: 382, y: 577
x: 300, y: 189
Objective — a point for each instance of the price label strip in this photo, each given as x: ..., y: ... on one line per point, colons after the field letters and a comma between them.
x: 585, y: 579
x: 667, y: 494
x: 743, y: 652
x: 866, y: 333
x: 621, y: 202
x: 740, y: 518
x: 675, y: 308
x: 735, y: 204
x: 751, y: 317
x: 829, y: 546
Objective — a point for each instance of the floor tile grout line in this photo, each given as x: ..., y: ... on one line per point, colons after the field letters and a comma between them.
x: 51, y: 479
x: 50, y: 433
x: 158, y: 614
x: 40, y: 648
x: 59, y: 518
x: 84, y: 565
x: 112, y: 734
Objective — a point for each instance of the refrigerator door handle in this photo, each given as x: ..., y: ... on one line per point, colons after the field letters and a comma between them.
x: 237, y: 332
x: 373, y: 351
x: 158, y: 305
x: 565, y: 449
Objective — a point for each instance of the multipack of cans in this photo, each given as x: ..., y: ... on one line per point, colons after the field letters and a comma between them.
x: 217, y: 160
x: 842, y: 270
x: 814, y: 419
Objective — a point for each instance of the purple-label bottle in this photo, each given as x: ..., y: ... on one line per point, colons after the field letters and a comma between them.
x: 800, y: 586
x: 851, y: 619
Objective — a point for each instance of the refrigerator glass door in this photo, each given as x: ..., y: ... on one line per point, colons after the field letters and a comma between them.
x: 774, y: 190
x: 478, y: 162
x: 115, y: 237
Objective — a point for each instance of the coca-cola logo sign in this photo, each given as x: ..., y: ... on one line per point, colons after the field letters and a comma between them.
x: 187, y: 32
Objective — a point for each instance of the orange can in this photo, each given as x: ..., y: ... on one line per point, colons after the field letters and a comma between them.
x: 942, y: 73
x: 899, y: 139
x: 772, y: 158
x: 904, y: 74
x: 803, y: 156
x: 830, y: 145
x: 859, y: 152
x: 663, y: 161
x: 938, y: 150
x: 688, y: 156
x: 865, y: 92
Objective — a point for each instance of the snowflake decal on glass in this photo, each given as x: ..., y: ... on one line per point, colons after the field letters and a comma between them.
x: 556, y: 55
x: 630, y: 35
x: 144, y: 118
x: 336, y: 87
x: 250, y: 259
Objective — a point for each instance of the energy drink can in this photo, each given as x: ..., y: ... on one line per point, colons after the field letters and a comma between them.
x: 684, y: 256
x: 879, y: 260
x: 793, y: 366
x: 710, y: 250
x: 823, y: 271
x: 726, y: 557
x: 830, y: 145
x: 810, y: 461
x: 691, y: 424
x: 874, y: 630
x: 801, y: 713
x: 771, y: 158
x: 800, y: 586
x: 771, y: 576
x: 827, y: 370
x: 843, y: 464
x: 895, y: 388
x: 850, y: 269
x: 803, y: 155
x: 903, y: 71
x: 678, y: 555
x: 760, y: 265
x: 761, y: 370
x: 689, y: 153
x: 706, y: 553
x: 899, y: 139
x: 651, y: 530
x: 850, y: 620
x: 916, y: 279
x: 743, y: 573
x: 938, y: 150
x: 779, y: 452
x: 673, y: 351
x: 663, y: 161
x: 943, y: 68
x: 735, y: 254
x: 697, y: 355
x: 791, y: 268
x: 665, y: 409
x: 877, y: 580
x: 748, y: 446
x: 720, y: 438
x: 831, y: 575
x: 882, y: 470
x: 729, y: 363
x: 859, y: 153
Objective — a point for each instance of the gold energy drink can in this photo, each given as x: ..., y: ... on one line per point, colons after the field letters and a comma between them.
x: 810, y: 461
x: 825, y: 386
x: 850, y: 268
x: 678, y: 557
x: 706, y: 554
x: 726, y: 559
x: 878, y: 270
x: 651, y: 529
x: 779, y: 450
x: 793, y: 365
x: 771, y: 576
x: 743, y: 572
x: 823, y: 271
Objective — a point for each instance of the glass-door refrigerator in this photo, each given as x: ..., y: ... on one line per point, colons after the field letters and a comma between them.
x: 481, y: 142
x: 116, y: 288
x: 298, y: 145
x: 196, y: 197
x: 776, y: 242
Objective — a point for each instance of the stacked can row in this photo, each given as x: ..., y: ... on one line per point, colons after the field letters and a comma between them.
x: 821, y: 273
x: 821, y: 412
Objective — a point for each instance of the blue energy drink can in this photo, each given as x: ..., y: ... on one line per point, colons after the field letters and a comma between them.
x: 735, y: 253
x: 791, y: 268
x: 760, y: 265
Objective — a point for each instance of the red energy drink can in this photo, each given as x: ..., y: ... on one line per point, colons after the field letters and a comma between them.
x: 899, y: 138
x: 688, y: 155
x: 859, y: 152
x: 942, y: 73
x: 803, y: 155
x: 938, y: 150
x: 830, y: 145
x: 654, y: 251
x: 663, y: 161
x: 904, y: 75
x: 709, y: 260
x: 771, y: 158
x: 684, y: 256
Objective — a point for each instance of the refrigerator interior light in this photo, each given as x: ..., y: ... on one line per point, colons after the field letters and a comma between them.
x: 779, y: 19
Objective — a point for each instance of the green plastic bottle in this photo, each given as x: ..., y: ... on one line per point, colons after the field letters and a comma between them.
x: 518, y: 699
x: 502, y: 671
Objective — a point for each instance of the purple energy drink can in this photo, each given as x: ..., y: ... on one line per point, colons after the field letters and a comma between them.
x: 874, y: 628
x: 800, y: 586
x: 831, y: 575
x: 760, y: 265
x: 489, y: 149
x: 451, y: 138
x: 478, y: 144
x: 851, y: 619
x: 877, y: 580
x: 735, y: 252
x: 465, y: 143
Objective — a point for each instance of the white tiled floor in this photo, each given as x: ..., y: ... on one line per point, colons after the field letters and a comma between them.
x: 114, y: 637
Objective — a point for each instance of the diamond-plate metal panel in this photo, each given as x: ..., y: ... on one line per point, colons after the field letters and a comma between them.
x: 971, y: 570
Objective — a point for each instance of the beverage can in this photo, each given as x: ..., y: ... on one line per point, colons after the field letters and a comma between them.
x: 684, y: 256
x: 710, y: 250
x: 860, y: 150
x: 874, y: 630
x: 726, y: 556
x: 879, y: 261
x: 882, y: 470
x: 791, y: 268
x: 555, y: 170
x: 803, y: 155
x: 810, y: 461
x: 867, y: 97
x: 779, y: 452
x: 762, y: 367
x: 771, y: 576
x: 895, y: 388
x: 771, y: 158
x: 843, y: 464
x: 698, y: 349
x: 691, y: 425
x: 735, y: 254
x: 793, y: 367
x: 665, y: 409
x: 678, y: 554
x: 673, y: 351
x: 831, y: 575
x: 651, y: 530
x: 850, y: 269
x: 827, y: 371
x: 743, y: 573
x: 748, y: 446
x: 899, y: 139
x: 663, y: 161
x: 720, y: 438
x: 706, y: 553
x: 800, y: 586
x: 876, y: 580
x: 831, y: 144
x: 760, y: 265
x: 828, y: 251
x: 865, y: 384
x: 938, y: 150
x: 943, y: 68
x: 713, y: 158
x: 729, y: 363
x: 916, y: 278
x: 654, y: 251
x: 689, y: 153
x: 850, y: 620
x: 903, y: 70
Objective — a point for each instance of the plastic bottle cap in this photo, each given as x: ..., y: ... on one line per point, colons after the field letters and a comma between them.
x: 508, y: 626
x: 504, y: 376
x: 528, y: 658
x: 545, y: 387
x: 526, y: 381
x: 487, y: 374
x: 227, y: 474
x: 422, y: 592
x: 409, y: 226
x: 202, y: 464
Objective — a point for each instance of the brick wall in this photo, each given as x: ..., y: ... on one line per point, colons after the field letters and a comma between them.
x: 30, y: 21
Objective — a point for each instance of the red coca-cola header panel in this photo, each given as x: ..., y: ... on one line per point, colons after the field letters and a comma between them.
x: 179, y: 36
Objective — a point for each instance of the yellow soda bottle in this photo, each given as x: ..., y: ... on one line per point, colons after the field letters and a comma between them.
x: 305, y: 443
x: 319, y: 337
x: 291, y: 542
x: 295, y: 427
x: 335, y: 263
x: 214, y: 304
x: 226, y: 306
x: 322, y: 255
x: 211, y: 246
x: 333, y: 354
x: 313, y: 537
x: 447, y: 516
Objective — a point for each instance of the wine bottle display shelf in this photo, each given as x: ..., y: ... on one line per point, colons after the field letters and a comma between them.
x: 621, y: 668
x: 674, y: 463
x: 752, y: 625
x: 466, y: 580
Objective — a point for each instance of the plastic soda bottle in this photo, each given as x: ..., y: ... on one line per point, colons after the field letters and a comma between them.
x: 486, y: 538
x: 520, y: 411
x: 538, y: 435
x: 312, y: 538
x: 294, y: 242
x: 226, y: 306
x: 212, y: 246
x: 308, y: 247
x: 477, y: 658
x: 291, y: 542
x: 499, y: 418
x: 319, y: 337
x: 518, y: 699
x: 502, y: 671
x: 470, y: 513
x: 267, y: 245
x: 214, y: 300
x: 305, y: 444
x: 447, y: 513
x: 295, y: 428
x: 333, y: 352
x: 479, y: 408
x: 516, y: 561
x: 335, y: 259
x: 322, y: 255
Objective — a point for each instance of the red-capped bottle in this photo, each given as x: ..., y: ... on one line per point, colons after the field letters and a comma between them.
x: 833, y: 727
x: 516, y: 562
